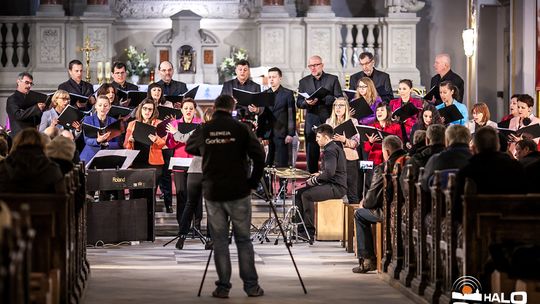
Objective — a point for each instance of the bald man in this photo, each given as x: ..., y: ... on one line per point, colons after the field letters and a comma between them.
x: 170, y: 86
x: 442, y: 66
x: 317, y: 111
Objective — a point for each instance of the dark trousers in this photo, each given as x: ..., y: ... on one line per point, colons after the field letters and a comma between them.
x: 278, y: 153
x: 313, y: 151
x: 180, y: 182
x: 363, y: 218
x: 352, y: 181
x: 306, y: 197
x: 194, y: 203
x: 165, y: 182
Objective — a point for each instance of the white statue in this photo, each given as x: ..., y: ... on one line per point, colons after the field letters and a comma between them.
x: 404, y: 6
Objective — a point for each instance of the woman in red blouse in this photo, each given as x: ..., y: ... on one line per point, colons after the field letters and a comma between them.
x: 373, y: 144
x: 404, y: 91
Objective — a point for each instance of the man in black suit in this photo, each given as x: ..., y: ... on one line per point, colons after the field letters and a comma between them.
x: 329, y: 183
x: 277, y: 123
x: 380, y: 79
x: 243, y: 82
x: 22, y: 115
x: 76, y: 85
x: 119, y: 76
x: 442, y: 66
x: 317, y: 111
x: 170, y: 86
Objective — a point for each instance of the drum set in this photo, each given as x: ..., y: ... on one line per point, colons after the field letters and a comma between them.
x: 278, y: 178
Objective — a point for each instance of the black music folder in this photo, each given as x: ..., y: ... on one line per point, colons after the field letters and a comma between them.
x: 406, y: 111
x: 259, y: 99
x: 119, y: 111
x: 351, y: 94
x: 74, y: 98
x: 168, y: 112
x: 161, y: 128
x: 361, y: 108
x: 431, y: 93
x: 34, y: 97
x: 348, y: 128
x: 185, y: 128
x: 450, y: 113
x: 320, y: 93
x: 134, y: 97
x: 530, y: 131
x: 141, y: 132
x: 363, y: 131
x: 178, y: 98
x: 69, y: 115
x: 116, y: 128
x: 504, y: 124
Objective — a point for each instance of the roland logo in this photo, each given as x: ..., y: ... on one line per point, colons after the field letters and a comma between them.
x: 118, y: 179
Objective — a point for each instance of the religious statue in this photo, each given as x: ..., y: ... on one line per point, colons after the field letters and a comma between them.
x: 186, y: 62
x: 186, y: 59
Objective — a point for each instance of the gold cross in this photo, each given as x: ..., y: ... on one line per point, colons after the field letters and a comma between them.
x: 87, y: 49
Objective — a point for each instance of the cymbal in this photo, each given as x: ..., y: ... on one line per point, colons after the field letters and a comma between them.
x: 291, y: 173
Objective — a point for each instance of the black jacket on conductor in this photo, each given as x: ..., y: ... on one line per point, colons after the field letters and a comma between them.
x: 226, y: 146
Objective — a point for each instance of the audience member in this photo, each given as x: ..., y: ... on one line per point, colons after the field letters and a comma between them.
x: 527, y: 152
x: 61, y: 150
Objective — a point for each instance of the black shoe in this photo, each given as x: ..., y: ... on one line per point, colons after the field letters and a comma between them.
x: 220, y: 292
x: 169, y: 209
x: 180, y: 242
x: 161, y: 196
x: 305, y: 237
x: 209, y: 245
x: 256, y: 291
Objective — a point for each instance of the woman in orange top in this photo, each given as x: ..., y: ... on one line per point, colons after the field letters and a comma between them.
x: 149, y: 156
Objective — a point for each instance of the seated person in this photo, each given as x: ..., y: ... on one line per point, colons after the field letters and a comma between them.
x: 329, y: 183
x: 27, y: 169
x: 527, y: 152
x: 492, y: 172
x: 372, y: 204
x: 418, y: 142
x: 61, y: 150
x: 456, y: 155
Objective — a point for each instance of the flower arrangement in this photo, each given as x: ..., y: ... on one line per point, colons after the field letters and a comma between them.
x: 137, y: 63
x: 228, y: 65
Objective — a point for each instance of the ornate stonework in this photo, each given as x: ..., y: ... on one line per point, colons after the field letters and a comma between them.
x: 401, y: 46
x: 320, y: 43
x: 166, y: 8
x: 274, y: 45
x: 99, y: 38
x: 51, y: 45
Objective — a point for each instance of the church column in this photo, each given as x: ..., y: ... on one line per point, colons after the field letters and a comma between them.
x: 97, y: 8
x: 274, y: 8
x: 320, y: 8
x: 50, y: 8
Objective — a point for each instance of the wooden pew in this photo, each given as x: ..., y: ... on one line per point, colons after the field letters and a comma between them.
x: 395, y: 224
x: 419, y: 281
x: 386, y: 230
x: 408, y: 270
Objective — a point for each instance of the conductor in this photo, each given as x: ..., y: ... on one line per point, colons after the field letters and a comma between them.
x: 225, y: 145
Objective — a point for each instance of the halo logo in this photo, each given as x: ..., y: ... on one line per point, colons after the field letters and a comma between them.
x: 467, y: 290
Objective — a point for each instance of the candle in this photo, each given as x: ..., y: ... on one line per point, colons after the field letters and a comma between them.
x: 100, y: 70
x: 107, y: 70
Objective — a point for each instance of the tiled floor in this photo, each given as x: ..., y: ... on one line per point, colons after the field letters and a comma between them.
x: 150, y: 273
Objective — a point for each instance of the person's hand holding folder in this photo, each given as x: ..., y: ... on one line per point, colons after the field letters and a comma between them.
x: 101, y: 138
x: 373, y: 137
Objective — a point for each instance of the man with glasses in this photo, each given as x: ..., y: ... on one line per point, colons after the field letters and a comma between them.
x: 75, y: 84
x: 380, y: 79
x: 170, y: 87
x: 317, y: 111
x: 22, y: 115
x: 119, y: 75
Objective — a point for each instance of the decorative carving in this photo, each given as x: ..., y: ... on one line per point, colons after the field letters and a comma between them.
x: 163, y: 38
x: 166, y: 8
x: 99, y: 38
x: 207, y: 38
x: 51, y: 45
x: 403, y: 6
x: 274, y: 46
x: 401, y: 46
x: 319, y: 43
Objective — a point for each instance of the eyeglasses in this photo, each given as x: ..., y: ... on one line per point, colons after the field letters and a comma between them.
x: 26, y: 82
x: 362, y: 86
x: 311, y: 66
x: 64, y: 98
x: 366, y: 63
x: 338, y: 105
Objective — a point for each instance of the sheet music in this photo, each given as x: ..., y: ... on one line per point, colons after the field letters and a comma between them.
x: 180, y: 162
x: 129, y: 154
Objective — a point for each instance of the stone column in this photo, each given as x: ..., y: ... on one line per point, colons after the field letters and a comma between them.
x: 273, y: 9
x: 97, y: 8
x: 320, y: 8
x: 50, y: 8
